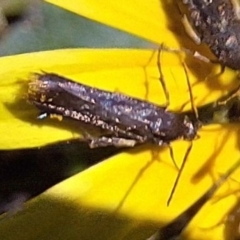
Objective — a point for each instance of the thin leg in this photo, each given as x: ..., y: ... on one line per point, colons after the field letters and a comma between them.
x: 232, y: 95
x: 146, y: 77
x: 111, y: 141
x: 161, y: 77
x: 190, y: 31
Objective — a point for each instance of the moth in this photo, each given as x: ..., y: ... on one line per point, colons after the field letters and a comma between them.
x: 217, y: 24
x: 127, y: 121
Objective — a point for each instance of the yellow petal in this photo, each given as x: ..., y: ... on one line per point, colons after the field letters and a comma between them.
x: 154, y: 21
x: 99, y: 187
x: 107, y: 186
x: 106, y: 202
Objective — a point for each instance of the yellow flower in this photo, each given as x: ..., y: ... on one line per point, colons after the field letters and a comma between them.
x: 112, y: 200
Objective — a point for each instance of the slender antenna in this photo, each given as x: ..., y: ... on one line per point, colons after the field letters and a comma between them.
x: 172, y: 156
x: 161, y: 77
x: 194, y: 109
x: 179, y: 173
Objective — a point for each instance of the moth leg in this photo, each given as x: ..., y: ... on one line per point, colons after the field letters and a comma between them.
x: 193, y: 35
x: 96, y: 141
x: 226, y: 100
x: 201, y: 57
x: 111, y: 141
x: 161, y: 77
x: 190, y: 31
x: 205, y: 59
x: 104, y: 141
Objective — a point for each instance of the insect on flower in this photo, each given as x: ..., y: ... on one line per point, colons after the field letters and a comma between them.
x: 217, y: 24
x: 173, y: 230
x: 126, y: 121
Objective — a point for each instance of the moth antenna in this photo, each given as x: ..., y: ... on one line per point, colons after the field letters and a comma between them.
x: 179, y: 173
x: 145, y: 74
x: 193, y: 106
x: 172, y: 157
x: 195, y: 111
